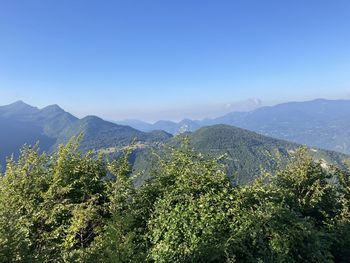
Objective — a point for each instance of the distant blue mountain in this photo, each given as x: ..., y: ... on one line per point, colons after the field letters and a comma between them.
x: 318, y: 123
x: 23, y: 124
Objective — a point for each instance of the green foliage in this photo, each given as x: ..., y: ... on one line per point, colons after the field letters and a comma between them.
x: 78, y: 207
x: 341, y: 247
x: 189, y: 219
x: 20, y: 206
x: 119, y: 241
x: 55, y: 205
x: 75, y: 201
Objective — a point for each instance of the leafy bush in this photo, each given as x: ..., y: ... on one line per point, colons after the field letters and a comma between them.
x: 75, y: 207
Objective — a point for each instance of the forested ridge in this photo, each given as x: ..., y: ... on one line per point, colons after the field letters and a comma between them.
x: 246, y: 153
x: 71, y: 206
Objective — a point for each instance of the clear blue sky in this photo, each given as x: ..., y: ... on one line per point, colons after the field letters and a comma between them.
x: 152, y: 59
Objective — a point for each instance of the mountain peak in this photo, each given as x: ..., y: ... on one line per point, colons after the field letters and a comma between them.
x: 17, y: 108
x: 92, y: 118
x: 19, y: 103
x: 53, y: 107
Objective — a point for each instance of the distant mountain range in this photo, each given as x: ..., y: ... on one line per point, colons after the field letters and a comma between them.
x: 247, y: 152
x: 319, y: 123
x: 23, y: 124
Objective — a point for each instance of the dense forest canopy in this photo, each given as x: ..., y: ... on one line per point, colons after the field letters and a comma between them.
x: 71, y: 206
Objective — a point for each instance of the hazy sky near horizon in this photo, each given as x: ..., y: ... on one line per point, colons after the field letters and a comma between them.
x: 156, y: 59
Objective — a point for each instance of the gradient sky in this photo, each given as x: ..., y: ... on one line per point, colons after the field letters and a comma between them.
x: 160, y: 59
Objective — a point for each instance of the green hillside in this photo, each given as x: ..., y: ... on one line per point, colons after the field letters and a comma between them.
x: 246, y: 154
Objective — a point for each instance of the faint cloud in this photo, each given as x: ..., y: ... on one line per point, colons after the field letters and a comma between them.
x: 246, y: 105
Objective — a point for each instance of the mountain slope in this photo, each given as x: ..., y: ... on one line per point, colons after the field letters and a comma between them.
x: 54, y: 120
x: 14, y: 134
x: 17, y: 110
x: 21, y: 123
x: 246, y: 153
x: 99, y: 134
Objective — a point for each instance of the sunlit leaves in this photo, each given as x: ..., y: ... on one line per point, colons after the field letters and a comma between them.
x: 71, y: 206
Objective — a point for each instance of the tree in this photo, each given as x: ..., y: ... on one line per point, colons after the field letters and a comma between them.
x: 341, y: 244
x: 119, y: 241
x: 286, y: 217
x: 21, y: 201
x: 76, y: 201
x: 52, y: 207
x: 189, y: 223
